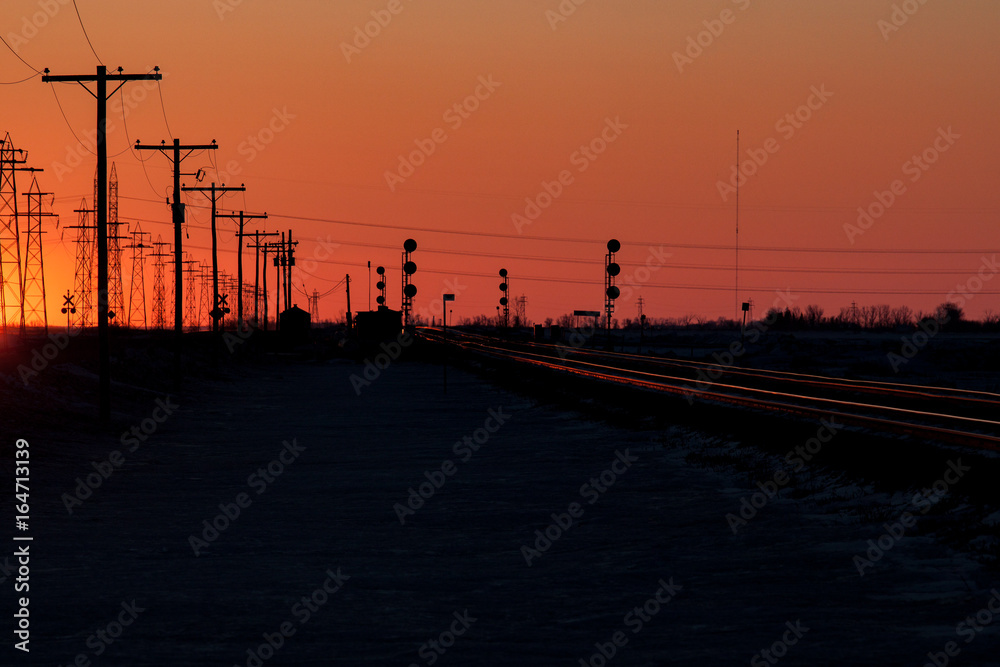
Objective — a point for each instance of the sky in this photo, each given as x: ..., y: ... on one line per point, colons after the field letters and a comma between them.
x: 525, y: 134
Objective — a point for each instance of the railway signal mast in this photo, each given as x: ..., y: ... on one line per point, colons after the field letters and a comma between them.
x: 611, y: 269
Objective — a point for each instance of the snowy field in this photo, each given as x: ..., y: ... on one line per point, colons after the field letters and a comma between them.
x: 531, y: 536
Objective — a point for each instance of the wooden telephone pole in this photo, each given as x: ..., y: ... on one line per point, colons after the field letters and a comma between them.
x: 101, y: 78
x: 214, y: 192
x: 242, y: 218
x: 177, y: 209
x: 258, y: 247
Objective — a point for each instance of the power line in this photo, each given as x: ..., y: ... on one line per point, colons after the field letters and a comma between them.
x: 685, y: 246
x: 159, y: 89
x: 36, y: 70
x: 84, y: 28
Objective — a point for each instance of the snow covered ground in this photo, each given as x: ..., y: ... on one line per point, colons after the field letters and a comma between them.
x: 333, y: 560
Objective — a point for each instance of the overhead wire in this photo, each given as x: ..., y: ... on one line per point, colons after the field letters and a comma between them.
x: 84, y: 28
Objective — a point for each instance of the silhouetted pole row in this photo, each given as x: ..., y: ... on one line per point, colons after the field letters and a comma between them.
x: 177, y: 209
x: 241, y: 219
x: 258, y: 248
x: 214, y: 192
x: 104, y: 349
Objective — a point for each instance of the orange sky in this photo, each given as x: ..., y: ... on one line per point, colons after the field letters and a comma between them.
x: 235, y: 70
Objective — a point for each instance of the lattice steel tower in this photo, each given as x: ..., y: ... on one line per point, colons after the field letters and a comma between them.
x: 137, y: 293
x: 116, y: 295
x: 159, y: 298
x: 34, y: 268
x: 11, y: 278
x: 83, y: 280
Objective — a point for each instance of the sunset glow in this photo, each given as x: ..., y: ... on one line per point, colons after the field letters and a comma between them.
x: 525, y: 134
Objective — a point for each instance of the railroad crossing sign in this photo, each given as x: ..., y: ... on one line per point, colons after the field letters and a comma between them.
x: 68, y: 306
x: 220, y: 307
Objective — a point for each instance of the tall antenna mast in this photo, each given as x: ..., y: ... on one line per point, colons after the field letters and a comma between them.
x: 736, y: 294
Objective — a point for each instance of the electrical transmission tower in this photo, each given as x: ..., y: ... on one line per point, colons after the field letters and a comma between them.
x: 191, y: 314
x: 34, y: 268
x: 159, y: 298
x: 137, y: 295
x: 520, y: 318
x: 83, y: 280
x: 116, y: 292
x: 11, y: 278
x: 314, y: 307
x: 208, y: 280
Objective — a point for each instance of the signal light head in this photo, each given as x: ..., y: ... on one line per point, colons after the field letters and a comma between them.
x: 614, y: 245
x: 614, y: 292
x: 614, y: 269
x: 503, y: 287
x: 380, y: 300
x: 503, y: 301
x: 380, y: 270
x: 380, y: 285
x: 409, y: 245
x: 409, y: 268
x: 410, y: 291
x: 503, y: 273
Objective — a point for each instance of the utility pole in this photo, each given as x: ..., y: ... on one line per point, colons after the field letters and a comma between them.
x: 278, y: 254
x: 101, y: 78
x: 242, y: 219
x: 349, y: 321
x: 178, y: 216
x: 215, y: 191
x: 258, y: 247
x: 287, y: 265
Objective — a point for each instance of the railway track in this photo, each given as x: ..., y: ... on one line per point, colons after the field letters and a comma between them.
x: 943, y: 414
